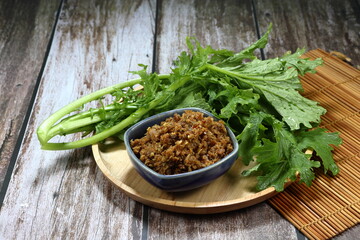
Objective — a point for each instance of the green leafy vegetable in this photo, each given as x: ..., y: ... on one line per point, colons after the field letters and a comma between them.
x: 258, y: 99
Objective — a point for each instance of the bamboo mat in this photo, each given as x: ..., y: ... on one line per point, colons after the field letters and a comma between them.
x: 332, y: 204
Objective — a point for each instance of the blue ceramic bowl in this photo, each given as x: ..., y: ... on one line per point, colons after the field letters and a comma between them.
x: 182, y: 181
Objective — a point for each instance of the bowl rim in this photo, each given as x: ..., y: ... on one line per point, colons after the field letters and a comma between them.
x: 170, y: 113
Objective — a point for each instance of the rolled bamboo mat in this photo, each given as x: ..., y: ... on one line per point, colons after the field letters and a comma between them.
x: 332, y: 204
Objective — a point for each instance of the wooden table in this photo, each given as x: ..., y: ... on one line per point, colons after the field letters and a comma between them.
x: 54, y: 51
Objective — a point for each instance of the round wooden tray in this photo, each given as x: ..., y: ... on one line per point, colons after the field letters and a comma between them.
x: 229, y: 192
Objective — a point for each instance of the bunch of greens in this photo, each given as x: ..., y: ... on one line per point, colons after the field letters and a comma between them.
x: 258, y: 99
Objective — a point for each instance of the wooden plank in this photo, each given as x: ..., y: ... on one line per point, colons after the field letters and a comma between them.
x: 24, y: 37
x: 256, y: 222
x: 329, y: 25
x: 222, y: 24
x: 352, y: 233
x: 55, y: 195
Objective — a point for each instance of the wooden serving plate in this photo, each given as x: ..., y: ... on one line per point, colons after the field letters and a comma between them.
x: 229, y: 192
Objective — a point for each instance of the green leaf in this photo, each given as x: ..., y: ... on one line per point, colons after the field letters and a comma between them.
x: 248, y: 138
x: 247, y: 53
x: 294, y: 108
x: 321, y: 141
x: 302, y: 65
x: 277, y: 80
x: 281, y: 160
x: 194, y: 100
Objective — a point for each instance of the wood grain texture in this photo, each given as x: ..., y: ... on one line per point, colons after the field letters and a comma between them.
x: 24, y: 36
x: 63, y: 195
x: 222, y: 24
x: 249, y: 223
x: 329, y: 25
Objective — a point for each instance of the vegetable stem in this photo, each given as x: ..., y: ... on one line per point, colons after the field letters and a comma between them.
x: 244, y: 78
x: 131, y: 119
x: 43, y: 130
